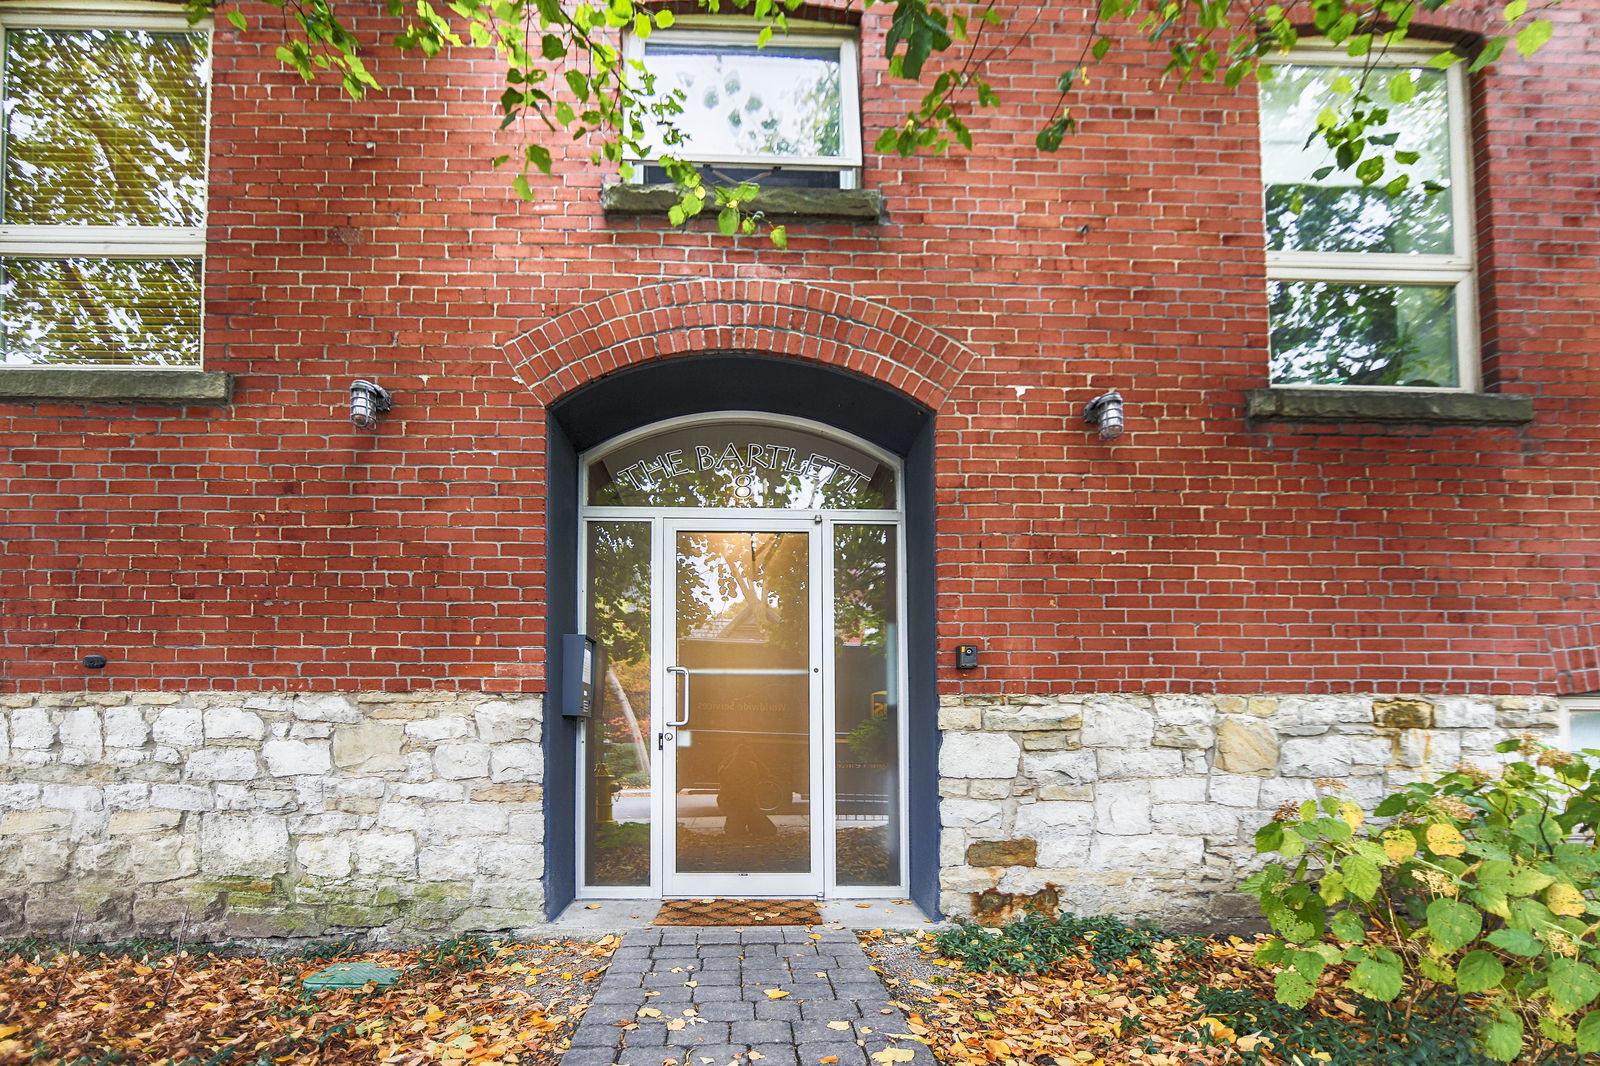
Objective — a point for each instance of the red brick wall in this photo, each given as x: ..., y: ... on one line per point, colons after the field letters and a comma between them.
x: 270, y: 545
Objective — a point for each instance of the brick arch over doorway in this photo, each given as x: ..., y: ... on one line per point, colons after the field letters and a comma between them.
x: 783, y: 319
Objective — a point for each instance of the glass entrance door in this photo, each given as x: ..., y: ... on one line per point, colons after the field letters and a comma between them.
x: 742, y: 767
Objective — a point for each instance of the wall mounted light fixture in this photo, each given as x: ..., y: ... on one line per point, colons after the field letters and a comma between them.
x: 1106, y: 412
x: 368, y: 400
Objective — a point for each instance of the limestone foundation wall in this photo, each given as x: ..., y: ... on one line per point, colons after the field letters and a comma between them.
x: 270, y: 814
x: 1146, y: 806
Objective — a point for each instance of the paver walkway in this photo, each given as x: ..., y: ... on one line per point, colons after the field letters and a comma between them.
x: 710, y: 988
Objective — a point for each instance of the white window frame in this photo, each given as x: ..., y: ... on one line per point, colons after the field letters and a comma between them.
x: 1457, y: 270
x: 1585, y: 703
x: 112, y: 242
x: 848, y: 163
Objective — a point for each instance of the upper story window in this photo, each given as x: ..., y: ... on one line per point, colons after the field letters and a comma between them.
x: 102, y: 189
x: 1582, y: 729
x: 786, y: 114
x: 1370, y: 285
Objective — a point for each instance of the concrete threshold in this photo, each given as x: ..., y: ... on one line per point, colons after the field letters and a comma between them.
x: 621, y: 915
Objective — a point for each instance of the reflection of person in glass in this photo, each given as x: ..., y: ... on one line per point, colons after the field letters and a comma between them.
x: 741, y: 778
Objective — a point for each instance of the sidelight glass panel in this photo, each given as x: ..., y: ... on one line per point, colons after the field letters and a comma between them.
x: 743, y: 800
x: 866, y: 705
x: 617, y: 762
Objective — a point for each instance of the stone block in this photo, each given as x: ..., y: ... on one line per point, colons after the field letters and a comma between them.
x: 1463, y: 712
x: 1120, y: 765
x: 1003, y: 853
x: 511, y: 762
x: 178, y: 727
x: 1044, y: 820
x: 385, y: 855
x: 328, y: 708
x: 1148, y: 856
x: 991, y: 789
x: 55, y: 823
x: 19, y: 797
x: 456, y: 821
x: 180, y: 797
x: 1519, y: 713
x: 1122, y: 808
x: 126, y: 728
x: 243, y: 845
x: 145, y: 821
x: 969, y: 813
x: 32, y: 729
x: 324, y: 856
x: 221, y: 764
x: 1233, y: 790
x: 958, y: 718
x: 1311, y: 716
x: 296, y: 758
x: 81, y: 733
x: 1402, y: 714
x: 512, y: 862
x: 1050, y: 717
x: 1075, y: 793
x: 1178, y: 790
x: 1117, y: 722
x: 433, y: 730
x: 371, y: 747
x: 1060, y: 767
x: 986, y: 755
x: 458, y: 760
x: 504, y: 721
x: 448, y: 862
x: 1194, y: 819
x: 1051, y: 741
x: 1246, y: 746
x: 232, y: 723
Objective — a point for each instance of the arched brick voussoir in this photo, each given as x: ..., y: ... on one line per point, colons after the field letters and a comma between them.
x: 785, y: 319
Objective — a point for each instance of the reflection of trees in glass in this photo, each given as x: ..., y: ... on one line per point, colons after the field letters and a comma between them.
x: 730, y: 581
x: 736, y: 100
x: 133, y: 312
x: 742, y: 487
x: 619, y: 620
x: 1341, y: 215
x: 104, y: 127
x: 1327, y: 333
x: 1323, y: 218
x: 863, y: 583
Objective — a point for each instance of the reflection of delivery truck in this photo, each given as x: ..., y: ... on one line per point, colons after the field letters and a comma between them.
x: 750, y: 703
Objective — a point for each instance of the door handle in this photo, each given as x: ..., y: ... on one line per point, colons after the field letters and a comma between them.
x: 683, y: 696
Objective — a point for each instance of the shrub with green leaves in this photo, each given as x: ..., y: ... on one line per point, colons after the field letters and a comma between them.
x: 1472, y: 885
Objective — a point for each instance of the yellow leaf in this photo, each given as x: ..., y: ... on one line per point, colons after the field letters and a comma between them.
x: 776, y: 993
x: 676, y: 1024
x: 841, y: 1026
x: 1351, y: 814
x: 1445, y: 839
x: 1564, y: 900
x: 1399, y: 844
x: 828, y: 1060
x: 894, y: 1054
x: 755, y: 1055
x: 649, y: 1012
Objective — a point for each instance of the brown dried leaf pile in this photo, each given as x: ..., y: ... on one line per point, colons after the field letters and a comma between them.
x: 516, y: 1005
x: 1076, y: 1016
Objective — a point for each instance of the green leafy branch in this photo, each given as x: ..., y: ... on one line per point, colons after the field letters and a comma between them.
x: 1472, y: 887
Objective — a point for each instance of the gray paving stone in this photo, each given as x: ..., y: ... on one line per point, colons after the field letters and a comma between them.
x: 724, y: 978
x: 721, y: 963
x: 723, y: 1010
x: 829, y: 1009
x: 767, y: 1031
x: 859, y: 990
x: 654, y: 1036
x: 773, y: 1009
x: 719, y: 1054
x: 607, y: 996
x: 775, y: 1055
x: 589, y: 1056
x: 596, y: 1036
x: 811, y: 1054
x: 761, y: 936
x: 710, y: 950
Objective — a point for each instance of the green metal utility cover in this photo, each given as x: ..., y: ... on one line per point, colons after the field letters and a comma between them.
x: 350, y: 975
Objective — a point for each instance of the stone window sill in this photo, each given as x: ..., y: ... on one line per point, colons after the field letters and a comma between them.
x: 81, y: 385
x: 827, y: 205
x: 1360, y: 405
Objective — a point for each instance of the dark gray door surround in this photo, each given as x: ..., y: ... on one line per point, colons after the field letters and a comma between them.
x: 652, y: 392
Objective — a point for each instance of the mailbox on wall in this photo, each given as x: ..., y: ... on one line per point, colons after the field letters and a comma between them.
x: 582, y: 667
